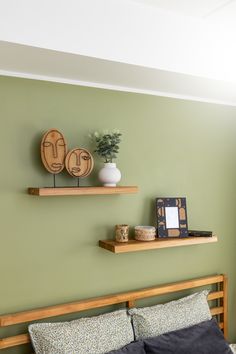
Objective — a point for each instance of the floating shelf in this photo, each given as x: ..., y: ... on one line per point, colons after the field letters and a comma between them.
x: 60, y: 191
x: 133, y: 245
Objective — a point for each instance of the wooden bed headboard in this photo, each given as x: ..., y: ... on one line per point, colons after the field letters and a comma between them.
x: 220, y: 294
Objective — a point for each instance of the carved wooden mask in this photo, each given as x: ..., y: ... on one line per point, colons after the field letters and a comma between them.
x: 53, y: 151
x: 79, y: 162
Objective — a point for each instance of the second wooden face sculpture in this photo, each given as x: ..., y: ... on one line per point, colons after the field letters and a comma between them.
x: 79, y: 162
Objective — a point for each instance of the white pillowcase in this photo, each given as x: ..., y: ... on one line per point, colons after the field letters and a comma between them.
x: 233, y: 348
x: 93, y: 335
x: 185, y: 312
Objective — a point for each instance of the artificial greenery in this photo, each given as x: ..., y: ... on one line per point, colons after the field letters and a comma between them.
x: 107, y: 144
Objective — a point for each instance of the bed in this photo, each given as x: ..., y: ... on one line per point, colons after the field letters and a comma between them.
x: 217, y: 298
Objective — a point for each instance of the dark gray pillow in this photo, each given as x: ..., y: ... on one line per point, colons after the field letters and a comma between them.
x: 132, y: 348
x: 203, y: 338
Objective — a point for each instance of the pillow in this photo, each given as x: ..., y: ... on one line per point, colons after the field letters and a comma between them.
x: 203, y: 338
x: 94, y: 335
x: 155, y: 320
x: 132, y: 348
x: 233, y: 348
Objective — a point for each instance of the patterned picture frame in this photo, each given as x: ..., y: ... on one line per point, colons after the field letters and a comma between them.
x: 171, y: 216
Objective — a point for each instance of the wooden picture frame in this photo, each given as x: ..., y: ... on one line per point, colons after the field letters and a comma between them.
x: 171, y: 217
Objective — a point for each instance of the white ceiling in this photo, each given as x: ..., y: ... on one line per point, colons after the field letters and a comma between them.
x: 174, y: 48
x: 49, y: 65
x: 196, y: 8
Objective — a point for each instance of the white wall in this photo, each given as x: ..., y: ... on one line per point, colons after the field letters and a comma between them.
x: 121, y: 30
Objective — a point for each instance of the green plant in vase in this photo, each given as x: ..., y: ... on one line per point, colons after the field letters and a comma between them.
x: 107, y: 148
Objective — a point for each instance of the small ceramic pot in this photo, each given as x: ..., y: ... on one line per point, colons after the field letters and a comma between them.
x: 122, y: 233
x: 145, y: 233
x: 109, y: 175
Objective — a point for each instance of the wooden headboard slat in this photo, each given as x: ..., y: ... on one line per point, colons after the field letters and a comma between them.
x: 214, y: 295
x: 52, y: 311
x: 221, y: 325
x: 224, y: 303
x: 217, y: 311
x: 14, y: 341
x: 128, y: 298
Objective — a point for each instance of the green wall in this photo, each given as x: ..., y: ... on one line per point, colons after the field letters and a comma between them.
x: 49, y: 250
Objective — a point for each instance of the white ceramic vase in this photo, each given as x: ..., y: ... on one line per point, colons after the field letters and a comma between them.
x: 109, y: 175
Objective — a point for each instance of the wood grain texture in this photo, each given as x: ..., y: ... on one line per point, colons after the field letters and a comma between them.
x: 217, y: 311
x: 53, y: 151
x: 14, y: 341
x: 128, y: 298
x: 215, y: 295
x: 134, y: 245
x: 47, y: 192
x: 79, y: 162
x: 57, y: 310
x: 224, y: 303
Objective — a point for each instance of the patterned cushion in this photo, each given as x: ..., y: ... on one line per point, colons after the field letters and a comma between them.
x: 94, y: 335
x: 155, y: 320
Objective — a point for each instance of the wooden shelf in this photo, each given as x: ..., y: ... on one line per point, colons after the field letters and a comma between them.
x: 133, y: 245
x: 60, y: 191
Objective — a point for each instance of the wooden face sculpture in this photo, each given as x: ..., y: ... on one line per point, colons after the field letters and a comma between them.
x: 79, y: 162
x: 53, y: 151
